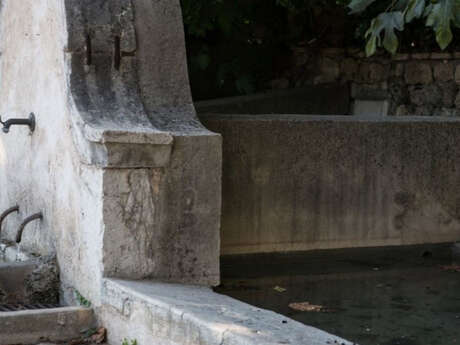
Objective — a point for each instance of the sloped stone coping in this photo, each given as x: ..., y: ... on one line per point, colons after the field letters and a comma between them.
x: 169, y: 314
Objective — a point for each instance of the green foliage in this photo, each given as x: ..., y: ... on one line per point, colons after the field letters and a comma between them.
x: 82, y: 300
x: 387, y: 22
x: 441, y: 15
x: 239, y: 46
x: 129, y: 342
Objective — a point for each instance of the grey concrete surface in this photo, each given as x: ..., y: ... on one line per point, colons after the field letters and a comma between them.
x: 53, y: 325
x: 167, y: 314
x: 300, y: 183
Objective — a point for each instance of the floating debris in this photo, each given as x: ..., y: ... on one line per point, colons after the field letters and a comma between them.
x: 306, y: 306
x: 279, y: 289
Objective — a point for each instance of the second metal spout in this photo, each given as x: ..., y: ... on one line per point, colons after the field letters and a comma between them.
x: 26, y: 221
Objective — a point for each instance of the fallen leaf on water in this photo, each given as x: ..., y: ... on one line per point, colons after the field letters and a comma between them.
x: 279, y: 289
x: 306, y: 306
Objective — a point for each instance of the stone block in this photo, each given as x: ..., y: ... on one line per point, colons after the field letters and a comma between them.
x: 420, y: 56
x: 281, y: 83
x: 443, y: 72
x: 418, y: 73
x: 424, y: 111
x: 397, y: 70
x: 329, y: 71
x: 373, y: 72
x: 349, y: 69
x: 401, y: 57
x: 447, y: 112
x: 457, y: 74
x: 402, y: 110
x: 441, y: 56
x: 449, y: 91
x: 457, y: 100
x: 425, y: 95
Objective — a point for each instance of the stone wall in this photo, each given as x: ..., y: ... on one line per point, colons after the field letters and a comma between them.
x: 127, y: 178
x: 293, y: 183
x: 414, y: 84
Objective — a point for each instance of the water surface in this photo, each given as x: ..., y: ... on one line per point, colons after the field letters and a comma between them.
x: 386, y: 296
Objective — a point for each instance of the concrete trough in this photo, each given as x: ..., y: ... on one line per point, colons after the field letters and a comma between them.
x: 29, y: 293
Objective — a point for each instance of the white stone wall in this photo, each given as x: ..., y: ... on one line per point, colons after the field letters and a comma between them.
x: 42, y: 171
x: 100, y: 136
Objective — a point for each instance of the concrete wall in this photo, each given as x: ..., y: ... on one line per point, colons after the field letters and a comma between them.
x: 126, y: 176
x: 300, y: 183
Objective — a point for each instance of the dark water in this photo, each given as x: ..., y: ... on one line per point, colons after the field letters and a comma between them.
x: 387, y: 296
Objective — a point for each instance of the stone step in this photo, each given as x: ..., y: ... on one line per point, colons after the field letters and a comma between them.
x: 50, y: 325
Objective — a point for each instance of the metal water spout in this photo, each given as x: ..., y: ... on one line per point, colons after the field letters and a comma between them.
x: 36, y: 216
x: 21, y: 122
x: 6, y: 213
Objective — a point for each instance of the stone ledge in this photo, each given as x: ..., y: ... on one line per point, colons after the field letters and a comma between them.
x: 56, y: 325
x: 158, y: 313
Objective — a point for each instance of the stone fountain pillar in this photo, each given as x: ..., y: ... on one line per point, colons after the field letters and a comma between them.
x: 127, y: 178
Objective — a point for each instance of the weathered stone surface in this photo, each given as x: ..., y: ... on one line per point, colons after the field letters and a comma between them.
x: 349, y: 69
x: 42, y: 284
x: 457, y: 74
x: 402, y: 110
x: 281, y: 83
x: 158, y: 314
x: 441, y: 56
x: 397, y: 91
x: 457, y: 100
x: 162, y: 213
x: 31, y: 281
x: 425, y: 94
x: 418, y: 73
x: 447, y: 112
x: 420, y: 56
x: 443, y: 72
x: 449, y: 91
x: 372, y: 72
x: 54, y: 325
x: 425, y: 110
x: 329, y: 71
x: 401, y: 57
x: 108, y: 83
x: 323, y: 182
x: 397, y: 70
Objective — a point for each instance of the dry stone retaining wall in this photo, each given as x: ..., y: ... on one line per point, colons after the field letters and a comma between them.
x: 414, y: 84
